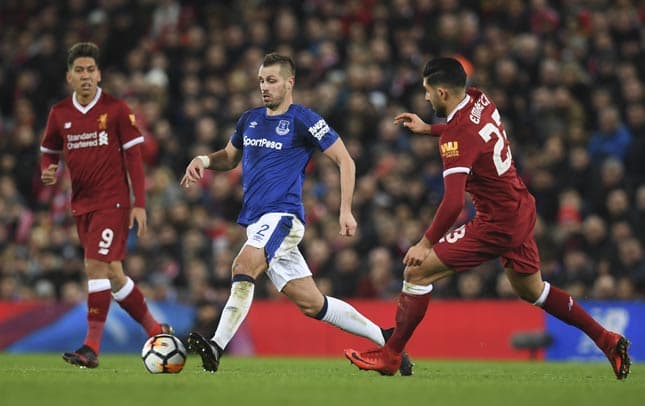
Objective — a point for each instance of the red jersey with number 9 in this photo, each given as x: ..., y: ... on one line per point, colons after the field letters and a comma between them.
x: 92, y: 139
x: 474, y: 142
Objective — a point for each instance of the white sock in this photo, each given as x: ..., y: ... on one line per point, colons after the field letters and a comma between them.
x: 234, y: 312
x: 344, y: 316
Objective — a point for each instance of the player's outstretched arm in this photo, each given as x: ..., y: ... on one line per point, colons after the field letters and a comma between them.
x: 221, y: 160
x: 339, y: 154
x: 414, y: 123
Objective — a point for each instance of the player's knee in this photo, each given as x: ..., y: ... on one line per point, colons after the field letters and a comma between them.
x: 242, y: 268
x: 527, y: 294
x: 411, y: 274
x: 249, y: 266
x: 96, y: 269
x: 527, y: 297
x: 310, y: 305
x: 419, y: 275
x: 527, y: 290
x: 309, y: 309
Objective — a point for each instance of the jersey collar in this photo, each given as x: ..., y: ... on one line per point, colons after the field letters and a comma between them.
x: 88, y: 106
x: 460, y: 106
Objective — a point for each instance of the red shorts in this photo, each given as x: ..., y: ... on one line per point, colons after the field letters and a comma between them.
x: 465, y: 248
x: 103, y: 233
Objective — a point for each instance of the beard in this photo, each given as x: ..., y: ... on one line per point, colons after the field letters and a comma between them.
x: 272, y: 103
x: 440, y: 111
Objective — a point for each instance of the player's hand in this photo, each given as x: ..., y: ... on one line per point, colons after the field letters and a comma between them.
x: 347, y: 224
x: 48, y: 177
x: 417, y: 253
x: 194, y: 172
x: 138, y: 214
x: 412, y: 122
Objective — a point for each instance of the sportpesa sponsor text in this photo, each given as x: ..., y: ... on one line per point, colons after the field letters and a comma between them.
x: 261, y: 143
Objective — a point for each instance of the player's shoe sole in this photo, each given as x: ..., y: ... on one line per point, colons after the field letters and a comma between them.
x: 84, y: 357
x: 620, y: 361
x: 406, y: 363
x: 208, y: 351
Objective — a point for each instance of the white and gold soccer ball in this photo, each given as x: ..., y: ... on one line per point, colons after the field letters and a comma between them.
x: 163, y: 354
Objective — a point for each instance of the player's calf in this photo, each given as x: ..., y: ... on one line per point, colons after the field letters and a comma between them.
x: 406, y: 363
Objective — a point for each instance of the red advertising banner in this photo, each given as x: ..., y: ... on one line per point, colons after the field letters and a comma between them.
x: 451, y: 329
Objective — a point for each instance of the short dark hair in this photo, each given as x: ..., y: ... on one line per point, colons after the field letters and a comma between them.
x: 285, y: 62
x: 445, y: 71
x: 82, y: 50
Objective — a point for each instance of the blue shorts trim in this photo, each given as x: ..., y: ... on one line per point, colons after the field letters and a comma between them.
x: 282, y: 230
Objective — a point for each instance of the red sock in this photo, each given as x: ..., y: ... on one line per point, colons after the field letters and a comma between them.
x: 136, y: 306
x: 409, y: 313
x: 560, y: 304
x: 98, y: 305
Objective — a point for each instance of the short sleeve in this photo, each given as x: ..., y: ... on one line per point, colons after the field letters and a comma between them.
x: 458, y: 149
x: 52, y: 142
x: 316, y: 129
x: 237, y: 137
x: 128, y: 131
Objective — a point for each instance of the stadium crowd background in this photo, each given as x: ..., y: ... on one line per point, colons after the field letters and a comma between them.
x: 567, y: 77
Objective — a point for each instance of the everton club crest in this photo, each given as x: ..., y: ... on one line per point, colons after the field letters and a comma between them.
x: 282, y: 128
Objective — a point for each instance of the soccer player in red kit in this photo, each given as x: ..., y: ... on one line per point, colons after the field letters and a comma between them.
x: 100, y: 141
x: 477, y: 159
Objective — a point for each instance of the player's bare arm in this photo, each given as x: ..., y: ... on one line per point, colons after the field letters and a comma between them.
x: 222, y: 160
x: 339, y: 154
x: 138, y: 215
x: 414, y: 123
x: 48, y: 176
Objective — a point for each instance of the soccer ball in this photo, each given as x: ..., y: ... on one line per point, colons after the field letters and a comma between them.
x: 163, y: 354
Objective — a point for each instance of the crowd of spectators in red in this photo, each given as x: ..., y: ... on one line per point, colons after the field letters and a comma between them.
x: 567, y: 77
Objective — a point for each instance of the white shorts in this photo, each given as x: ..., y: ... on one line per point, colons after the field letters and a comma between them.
x: 279, y: 234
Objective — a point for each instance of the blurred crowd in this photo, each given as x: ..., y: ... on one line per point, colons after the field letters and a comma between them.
x: 567, y: 77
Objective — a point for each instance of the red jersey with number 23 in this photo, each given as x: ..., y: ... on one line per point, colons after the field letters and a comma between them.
x: 474, y: 142
x: 92, y: 139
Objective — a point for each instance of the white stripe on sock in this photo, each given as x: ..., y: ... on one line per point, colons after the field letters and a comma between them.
x: 544, y: 295
x: 124, y: 291
x: 97, y: 285
x: 418, y: 290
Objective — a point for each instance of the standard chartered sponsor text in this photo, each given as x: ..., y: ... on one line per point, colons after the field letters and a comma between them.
x: 83, y: 140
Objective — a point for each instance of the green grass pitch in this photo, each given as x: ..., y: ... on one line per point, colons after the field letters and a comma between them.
x: 44, y: 379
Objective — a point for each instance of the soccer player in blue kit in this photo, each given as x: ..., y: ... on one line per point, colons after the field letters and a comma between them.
x: 274, y: 144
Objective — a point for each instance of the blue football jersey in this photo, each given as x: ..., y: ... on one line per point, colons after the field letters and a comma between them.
x: 275, y: 152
